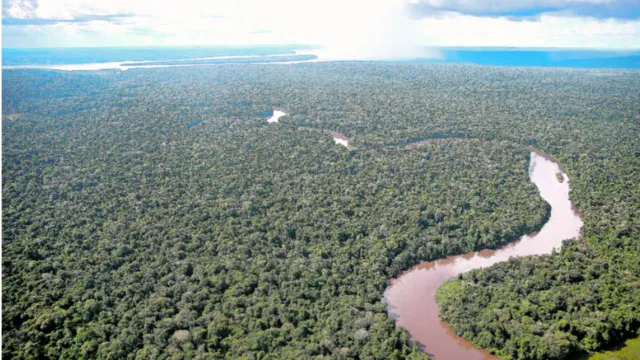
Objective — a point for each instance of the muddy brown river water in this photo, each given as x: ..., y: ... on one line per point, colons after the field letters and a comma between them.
x: 411, y: 296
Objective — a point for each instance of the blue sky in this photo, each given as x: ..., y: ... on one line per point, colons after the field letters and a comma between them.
x: 368, y: 27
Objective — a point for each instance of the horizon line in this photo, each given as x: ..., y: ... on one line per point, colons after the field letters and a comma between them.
x: 313, y: 47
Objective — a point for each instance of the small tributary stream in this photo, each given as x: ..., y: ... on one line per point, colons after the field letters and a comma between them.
x: 411, y: 296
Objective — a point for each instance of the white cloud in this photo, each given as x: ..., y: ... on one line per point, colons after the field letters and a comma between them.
x: 19, y: 9
x: 494, y: 6
x: 349, y: 29
x: 455, y: 29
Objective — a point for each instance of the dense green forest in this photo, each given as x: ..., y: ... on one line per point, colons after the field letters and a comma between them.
x: 588, y: 295
x: 156, y: 214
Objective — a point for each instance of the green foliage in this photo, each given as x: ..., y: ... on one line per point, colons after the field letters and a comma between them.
x: 588, y: 295
x: 155, y: 213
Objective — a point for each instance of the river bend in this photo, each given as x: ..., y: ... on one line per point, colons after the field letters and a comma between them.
x: 411, y: 296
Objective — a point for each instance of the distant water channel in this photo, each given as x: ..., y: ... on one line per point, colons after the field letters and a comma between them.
x: 340, y: 139
x: 277, y: 114
x: 411, y: 296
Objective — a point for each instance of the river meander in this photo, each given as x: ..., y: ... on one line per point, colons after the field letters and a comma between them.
x: 411, y: 296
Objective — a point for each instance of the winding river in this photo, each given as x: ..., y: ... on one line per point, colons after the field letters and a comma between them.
x: 411, y: 296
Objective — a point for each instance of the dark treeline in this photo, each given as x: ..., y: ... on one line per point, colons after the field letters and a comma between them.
x: 155, y: 213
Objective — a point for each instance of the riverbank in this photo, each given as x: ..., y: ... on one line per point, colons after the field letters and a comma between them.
x: 411, y: 297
